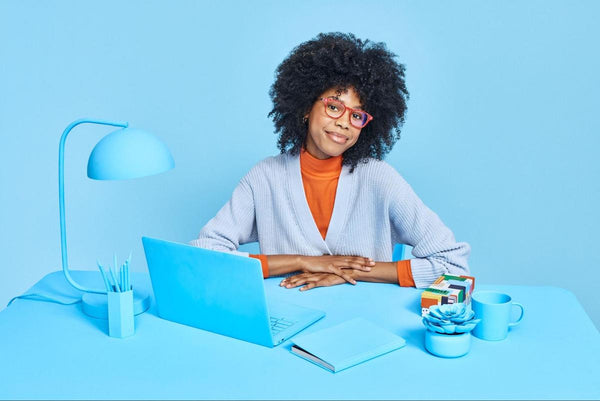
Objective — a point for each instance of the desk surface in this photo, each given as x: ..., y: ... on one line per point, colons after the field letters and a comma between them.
x: 49, y: 350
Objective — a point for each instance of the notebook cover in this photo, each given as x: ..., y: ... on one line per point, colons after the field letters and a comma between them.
x: 346, y: 344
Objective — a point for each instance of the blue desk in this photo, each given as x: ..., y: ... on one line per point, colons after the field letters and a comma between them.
x: 55, y: 351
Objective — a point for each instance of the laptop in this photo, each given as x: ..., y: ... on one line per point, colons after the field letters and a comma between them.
x: 220, y: 292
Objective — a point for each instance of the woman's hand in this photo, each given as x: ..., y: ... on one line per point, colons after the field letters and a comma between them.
x: 335, y: 264
x: 381, y: 272
x: 312, y: 280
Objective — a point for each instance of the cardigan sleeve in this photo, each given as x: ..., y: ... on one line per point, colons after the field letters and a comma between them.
x: 435, y: 250
x: 233, y: 225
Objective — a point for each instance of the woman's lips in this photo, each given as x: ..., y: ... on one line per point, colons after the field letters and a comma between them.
x: 337, y: 138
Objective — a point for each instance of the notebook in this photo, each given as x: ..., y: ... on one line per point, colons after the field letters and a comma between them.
x: 220, y: 292
x: 347, y: 344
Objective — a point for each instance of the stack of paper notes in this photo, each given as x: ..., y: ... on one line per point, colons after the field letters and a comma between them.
x: 447, y: 289
x: 346, y: 344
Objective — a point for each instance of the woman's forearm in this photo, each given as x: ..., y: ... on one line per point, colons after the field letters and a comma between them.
x: 283, y: 264
x: 381, y: 272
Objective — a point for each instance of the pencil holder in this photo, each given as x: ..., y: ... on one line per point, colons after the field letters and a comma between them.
x: 120, y: 314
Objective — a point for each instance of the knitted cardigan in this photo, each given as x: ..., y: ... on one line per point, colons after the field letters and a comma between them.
x: 374, y: 209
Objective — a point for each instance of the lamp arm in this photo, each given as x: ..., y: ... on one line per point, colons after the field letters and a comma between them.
x: 61, y: 198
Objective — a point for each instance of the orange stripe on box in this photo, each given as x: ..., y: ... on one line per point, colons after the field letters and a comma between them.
x: 264, y: 263
x: 405, y: 278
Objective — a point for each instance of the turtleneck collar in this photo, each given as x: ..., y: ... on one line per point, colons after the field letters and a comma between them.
x: 320, y: 168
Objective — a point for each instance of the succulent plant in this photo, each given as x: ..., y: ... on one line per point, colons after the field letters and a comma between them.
x: 450, y: 319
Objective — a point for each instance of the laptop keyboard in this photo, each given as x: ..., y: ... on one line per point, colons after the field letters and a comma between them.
x: 280, y: 323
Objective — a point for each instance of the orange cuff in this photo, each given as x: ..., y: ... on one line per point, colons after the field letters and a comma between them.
x: 405, y: 278
x: 264, y: 264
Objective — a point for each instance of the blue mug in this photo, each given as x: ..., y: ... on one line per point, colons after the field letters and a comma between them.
x: 494, y: 309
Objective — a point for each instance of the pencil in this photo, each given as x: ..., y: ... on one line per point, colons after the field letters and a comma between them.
x: 106, y: 284
x: 114, y: 277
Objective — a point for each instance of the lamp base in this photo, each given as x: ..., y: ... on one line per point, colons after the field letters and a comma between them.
x: 96, y: 305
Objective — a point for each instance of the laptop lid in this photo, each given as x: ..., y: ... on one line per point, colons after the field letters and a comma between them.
x: 215, y: 291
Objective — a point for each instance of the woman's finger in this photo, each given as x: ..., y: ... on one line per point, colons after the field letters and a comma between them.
x: 361, y: 260
x: 342, y: 274
x: 308, y: 286
x: 295, y: 283
x: 354, y: 265
x: 300, y: 279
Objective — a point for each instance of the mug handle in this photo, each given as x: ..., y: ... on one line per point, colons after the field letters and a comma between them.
x: 511, y: 324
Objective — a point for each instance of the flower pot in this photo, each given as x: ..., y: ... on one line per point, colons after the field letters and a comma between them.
x: 447, y: 345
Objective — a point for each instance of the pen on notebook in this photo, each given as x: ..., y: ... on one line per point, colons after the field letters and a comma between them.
x: 106, y: 284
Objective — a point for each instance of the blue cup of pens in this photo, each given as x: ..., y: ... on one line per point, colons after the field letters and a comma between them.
x: 120, y: 299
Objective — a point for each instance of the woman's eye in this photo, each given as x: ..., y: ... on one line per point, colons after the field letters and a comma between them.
x: 357, y: 116
x: 333, y: 107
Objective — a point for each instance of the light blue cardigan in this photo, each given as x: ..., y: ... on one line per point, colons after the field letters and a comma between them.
x: 374, y: 209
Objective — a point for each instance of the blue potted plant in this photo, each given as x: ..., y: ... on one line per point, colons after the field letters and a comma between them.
x: 449, y: 328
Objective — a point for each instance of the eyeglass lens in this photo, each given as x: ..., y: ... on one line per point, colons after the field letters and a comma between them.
x: 336, y: 109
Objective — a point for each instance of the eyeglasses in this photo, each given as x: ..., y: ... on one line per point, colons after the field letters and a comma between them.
x: 335, y: 109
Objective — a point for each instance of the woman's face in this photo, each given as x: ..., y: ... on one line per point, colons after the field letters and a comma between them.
x: 328, y: 137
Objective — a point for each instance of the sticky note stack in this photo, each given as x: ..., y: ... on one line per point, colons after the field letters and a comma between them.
x: 447, y: 289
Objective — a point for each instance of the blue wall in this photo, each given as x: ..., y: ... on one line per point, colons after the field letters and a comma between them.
x: 501, y: 138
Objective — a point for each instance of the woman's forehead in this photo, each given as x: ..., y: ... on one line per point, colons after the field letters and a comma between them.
x: 348, y: 96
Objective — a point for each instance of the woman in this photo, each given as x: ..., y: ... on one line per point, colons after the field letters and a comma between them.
x: 327, y: 207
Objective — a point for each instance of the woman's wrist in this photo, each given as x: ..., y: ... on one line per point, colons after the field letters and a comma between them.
x: 302, y: 262
x: 283, y: 264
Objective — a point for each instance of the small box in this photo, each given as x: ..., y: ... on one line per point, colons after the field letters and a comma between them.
x: 447, y: 289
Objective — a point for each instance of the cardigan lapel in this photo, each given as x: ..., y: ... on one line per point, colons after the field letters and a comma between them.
x: 302, y: 212
x: 341, y: 207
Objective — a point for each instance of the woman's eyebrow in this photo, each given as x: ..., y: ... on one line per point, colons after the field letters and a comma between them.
x: 338, y: 99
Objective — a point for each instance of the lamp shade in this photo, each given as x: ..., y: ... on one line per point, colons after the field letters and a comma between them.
x: 128, y: 153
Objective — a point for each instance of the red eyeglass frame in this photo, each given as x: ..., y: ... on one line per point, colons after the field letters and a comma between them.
x: 326, y: 100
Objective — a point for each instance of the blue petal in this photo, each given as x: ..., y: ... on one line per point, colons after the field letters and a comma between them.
x: 465, y: 328
x: 434, y: 319
x: 437, y: 330
x: 449, y: 329
x: 434, y: 310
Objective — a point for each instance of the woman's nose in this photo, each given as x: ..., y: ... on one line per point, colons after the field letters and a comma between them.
x: 343, y: 121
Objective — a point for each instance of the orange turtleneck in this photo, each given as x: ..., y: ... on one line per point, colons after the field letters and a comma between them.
x: 320, y: 180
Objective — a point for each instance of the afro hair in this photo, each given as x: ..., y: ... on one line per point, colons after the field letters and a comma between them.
x: 339, y: 61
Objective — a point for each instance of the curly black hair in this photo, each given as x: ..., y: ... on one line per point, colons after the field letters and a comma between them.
x: 339, y: 61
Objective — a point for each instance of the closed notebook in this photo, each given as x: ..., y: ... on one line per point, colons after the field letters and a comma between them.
x: 346, y: 344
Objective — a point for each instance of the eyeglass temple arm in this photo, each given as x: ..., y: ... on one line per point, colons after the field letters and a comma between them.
x: 61, y: 198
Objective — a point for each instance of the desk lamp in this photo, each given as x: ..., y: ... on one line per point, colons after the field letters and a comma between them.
x: 123, y: 154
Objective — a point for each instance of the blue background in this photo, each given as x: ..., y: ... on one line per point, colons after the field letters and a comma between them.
x: 501, y: 138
